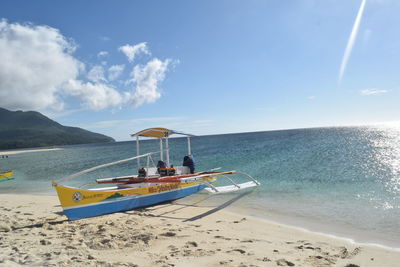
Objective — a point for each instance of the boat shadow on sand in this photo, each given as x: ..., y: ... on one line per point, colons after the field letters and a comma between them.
x: 168, y: 213
x: 143, y: 212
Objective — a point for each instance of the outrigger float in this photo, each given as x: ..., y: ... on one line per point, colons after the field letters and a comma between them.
x: 6, y: 175
x: 152, y: 184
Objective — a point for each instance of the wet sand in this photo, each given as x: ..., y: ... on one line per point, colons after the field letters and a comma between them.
x: 34, y: 232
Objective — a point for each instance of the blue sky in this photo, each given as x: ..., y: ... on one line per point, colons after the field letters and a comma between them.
x: 205, y: 67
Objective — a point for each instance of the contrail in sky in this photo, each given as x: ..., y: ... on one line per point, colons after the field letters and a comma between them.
x: 351, y: 40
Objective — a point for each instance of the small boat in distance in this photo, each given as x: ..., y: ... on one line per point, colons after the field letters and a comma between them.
x: 6, y: 175
x: 152, y: 184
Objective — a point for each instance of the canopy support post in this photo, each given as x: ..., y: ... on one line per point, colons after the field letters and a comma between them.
x: 161, y: 150
x: 188, y: 143
x: 167, y: 148
x: 137, y: 151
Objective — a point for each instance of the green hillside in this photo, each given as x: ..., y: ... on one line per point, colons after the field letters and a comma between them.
x: 19, y: 129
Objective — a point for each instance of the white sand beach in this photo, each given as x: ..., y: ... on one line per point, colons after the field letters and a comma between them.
x: 34, y: 232
x: 20, y: 151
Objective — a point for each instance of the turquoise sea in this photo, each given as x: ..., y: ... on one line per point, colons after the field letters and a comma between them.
x: 343, y: 181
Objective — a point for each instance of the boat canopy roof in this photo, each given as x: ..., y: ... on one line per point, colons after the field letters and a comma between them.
x: 158, y: 133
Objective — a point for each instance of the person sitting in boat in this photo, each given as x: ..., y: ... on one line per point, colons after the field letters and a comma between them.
x: 161, y: 165
x: 142, y: 173
x: 188, y: 162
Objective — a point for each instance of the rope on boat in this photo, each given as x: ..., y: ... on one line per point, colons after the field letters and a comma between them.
x: 100, y: 166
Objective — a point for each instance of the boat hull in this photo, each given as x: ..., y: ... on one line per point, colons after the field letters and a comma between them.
x: 6, y: 175
x: 79, y: 204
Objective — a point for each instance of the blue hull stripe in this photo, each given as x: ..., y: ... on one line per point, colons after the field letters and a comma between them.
x: 129, y: 204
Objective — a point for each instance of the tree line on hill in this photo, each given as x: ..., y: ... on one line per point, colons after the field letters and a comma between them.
x: 26, y: 129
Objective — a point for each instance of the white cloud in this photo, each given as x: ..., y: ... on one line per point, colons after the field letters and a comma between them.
x: 38, y: 72
x: 96, y: 74
x: 311, y: 97
x: 102, y: 54
x: 34, y: 62
x: 96, y: 96
x: 37, y: 69
x: 146, y: 79
x: 131, y: 51
x: 373, y: 91
x: 115, y: 71
x: 133, y: 122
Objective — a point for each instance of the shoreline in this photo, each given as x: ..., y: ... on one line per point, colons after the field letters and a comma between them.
x: 168, y: 234
x: 340, y: 231
x: 330, y: 230
x: 25, y: 150
x: 333, y: 235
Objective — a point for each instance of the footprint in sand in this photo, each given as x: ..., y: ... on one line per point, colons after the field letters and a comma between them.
x: 241, y: 251
x: 191, y: 244
x: 243, y: 219
x: 345, y: 254
x: 168, y: 234
x: 222, y: 237
x: 321, y: 261
x: 283, y: 262
x: 247, y: 240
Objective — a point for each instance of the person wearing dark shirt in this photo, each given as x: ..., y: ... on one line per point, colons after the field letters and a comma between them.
x: 160, y: 165
x: 188, y: 162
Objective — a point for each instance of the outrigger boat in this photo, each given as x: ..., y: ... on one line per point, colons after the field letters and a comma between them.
x: 6, y: 175
x: 152, y: 184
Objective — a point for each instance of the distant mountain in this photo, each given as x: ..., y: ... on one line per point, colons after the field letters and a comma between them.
x: 19, y: 129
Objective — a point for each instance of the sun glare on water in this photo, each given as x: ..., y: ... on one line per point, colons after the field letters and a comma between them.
x: 385, y: 141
